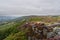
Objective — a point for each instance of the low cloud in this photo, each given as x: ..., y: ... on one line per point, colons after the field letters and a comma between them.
x: 29, y: 7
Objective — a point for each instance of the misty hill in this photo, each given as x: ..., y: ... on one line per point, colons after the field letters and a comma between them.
x: 6, y: 18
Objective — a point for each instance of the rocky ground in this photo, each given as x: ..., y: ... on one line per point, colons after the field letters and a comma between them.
x: 40, y: 31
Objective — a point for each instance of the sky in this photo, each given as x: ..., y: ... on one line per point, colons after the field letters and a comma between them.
x: 29, y: 7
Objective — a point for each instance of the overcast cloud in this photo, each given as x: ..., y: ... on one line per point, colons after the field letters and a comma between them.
x: 29, y: 7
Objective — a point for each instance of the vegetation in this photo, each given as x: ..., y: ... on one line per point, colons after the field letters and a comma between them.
x: 9, y: 31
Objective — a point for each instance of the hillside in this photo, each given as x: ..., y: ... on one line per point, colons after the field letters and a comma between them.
x: 12, y: 30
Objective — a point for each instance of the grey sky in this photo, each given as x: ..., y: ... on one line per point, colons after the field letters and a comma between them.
x: 29, y: 7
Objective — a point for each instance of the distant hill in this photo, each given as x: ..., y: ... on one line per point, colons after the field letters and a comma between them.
x: 6, y: 18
